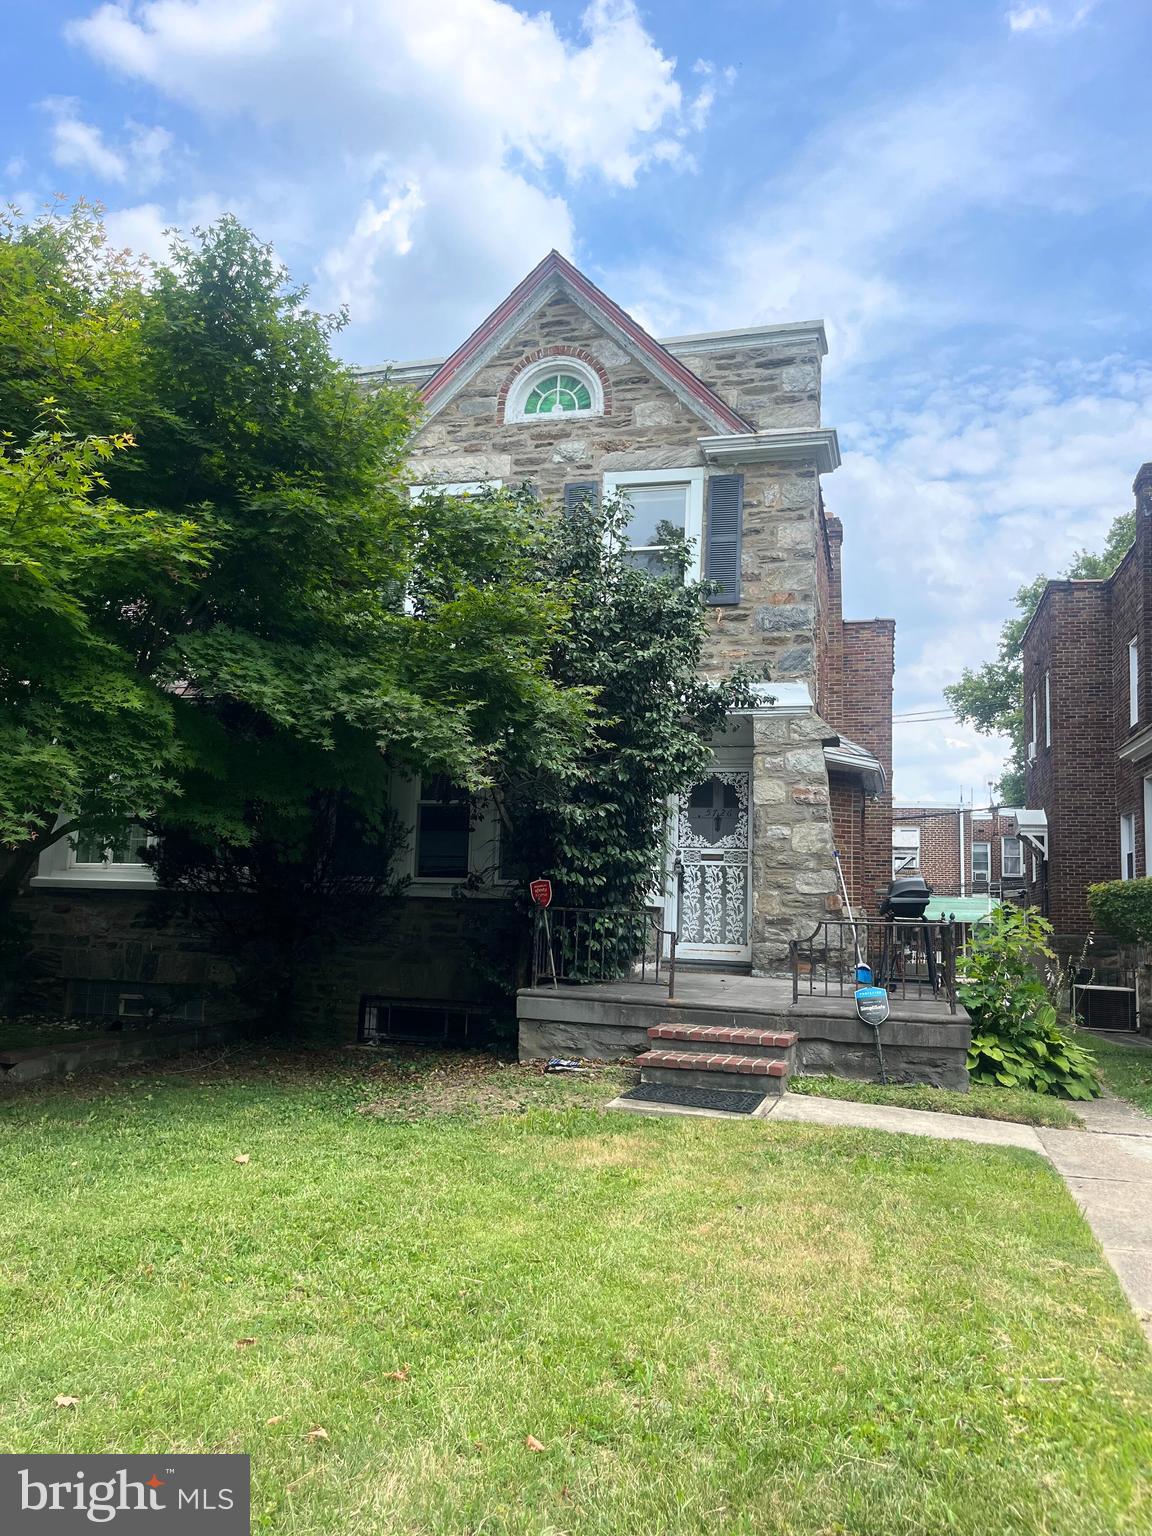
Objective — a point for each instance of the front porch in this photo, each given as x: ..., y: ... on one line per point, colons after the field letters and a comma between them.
x: 923, y: 1041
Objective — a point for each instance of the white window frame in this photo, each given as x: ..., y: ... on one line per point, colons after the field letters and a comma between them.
x: 527, y: 381
x: 483, y: 845
x: 1148, y: 825
x: 452, y: 488
x: 58, y: 868
x: 693, y: 477
x: 1032, y: 742
x: 986, y: 877
x: 1134, y: 681
x: 1047, y: 709
x: 1128, y: 846
x: 1005, y: 873
x: 905, y: 849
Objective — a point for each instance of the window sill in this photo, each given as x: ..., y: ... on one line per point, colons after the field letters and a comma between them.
x: 83, y: 880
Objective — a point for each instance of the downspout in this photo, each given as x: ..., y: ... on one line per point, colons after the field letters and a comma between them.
x: 960, y: 824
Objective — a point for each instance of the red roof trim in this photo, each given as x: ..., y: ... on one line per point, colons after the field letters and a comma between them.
x: 659, y: 356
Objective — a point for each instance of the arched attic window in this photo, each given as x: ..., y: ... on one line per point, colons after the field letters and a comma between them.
x: 561, y: 386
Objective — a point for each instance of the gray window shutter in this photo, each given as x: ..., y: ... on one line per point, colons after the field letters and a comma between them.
x: 577, y: 491
x: 722, y: 539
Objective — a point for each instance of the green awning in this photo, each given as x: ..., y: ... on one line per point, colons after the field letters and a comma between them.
x: 965, y: 909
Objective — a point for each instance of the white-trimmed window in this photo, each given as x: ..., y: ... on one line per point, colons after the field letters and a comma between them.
x: 657, y: 496
x: 1133, y: 681
x: 981, y: 863
x: 1047, y: 709
x: 1035, y: 733
x: 1011, y: 859
x: 90, y: 860
x: 453, y: 488
x: 905, y: 849
x: 560, y: 386
x: 1128, y: 847
x: 452, y: 836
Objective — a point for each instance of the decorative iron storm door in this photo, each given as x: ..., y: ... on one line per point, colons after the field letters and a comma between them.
x: 712, y: 867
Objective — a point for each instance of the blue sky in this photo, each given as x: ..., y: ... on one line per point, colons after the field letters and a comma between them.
x: 960, y: 188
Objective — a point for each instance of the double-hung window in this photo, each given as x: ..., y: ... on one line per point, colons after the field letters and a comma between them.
x: 443, y: 830
x: 1011, y: 858
x: 656, y: 497
x: 981, y: 863
x: 1047, y: 709
x: 1128, y: 847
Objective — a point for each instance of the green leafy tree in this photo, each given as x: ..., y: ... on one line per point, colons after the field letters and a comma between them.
x: 990, y: 697
x: 277, y: 650
x: 596, y: 823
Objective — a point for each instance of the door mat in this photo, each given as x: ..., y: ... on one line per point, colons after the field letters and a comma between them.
x: 729, y: 1099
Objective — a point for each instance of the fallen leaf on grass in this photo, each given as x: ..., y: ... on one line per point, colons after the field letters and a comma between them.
x: 63, y: 1401
x: 243, y: 1343
x: 277, y: 1418
x: 532, y: 1443
x: 242, y: 1157
x: 401, y: 1375
x: 316, y: 1433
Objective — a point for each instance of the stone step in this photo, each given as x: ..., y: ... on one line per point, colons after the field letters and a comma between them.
x: 725, y: 1040
x: 737, y: 1071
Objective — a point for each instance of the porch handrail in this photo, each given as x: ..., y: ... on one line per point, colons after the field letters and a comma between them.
x: 588, y: 945
x: 909, y: 956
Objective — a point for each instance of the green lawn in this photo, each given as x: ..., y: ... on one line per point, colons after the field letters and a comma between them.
x: 981, y: 1100
x: 1126, y: 1069
x: 709, y: 1326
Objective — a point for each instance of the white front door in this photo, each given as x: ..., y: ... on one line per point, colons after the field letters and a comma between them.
x: 712, y: 874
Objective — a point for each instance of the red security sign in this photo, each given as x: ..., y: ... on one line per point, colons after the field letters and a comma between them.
x: 541, y: 892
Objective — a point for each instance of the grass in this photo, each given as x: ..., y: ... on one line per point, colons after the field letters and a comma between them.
x: 709, y: 1326
x: 1126, y: 1069
x: 981, y: 1100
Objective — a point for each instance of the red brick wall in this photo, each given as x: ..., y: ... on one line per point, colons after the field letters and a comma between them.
x: 940, y: 843
x: 1080, y: 636
x: 866, y: 717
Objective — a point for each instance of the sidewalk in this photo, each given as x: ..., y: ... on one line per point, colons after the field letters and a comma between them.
x: 1107, y: 1166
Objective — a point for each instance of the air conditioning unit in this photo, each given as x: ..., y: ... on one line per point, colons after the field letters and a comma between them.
x: 1031, y: 751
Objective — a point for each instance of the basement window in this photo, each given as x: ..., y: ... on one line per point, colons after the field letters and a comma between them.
x: 420, y: 1021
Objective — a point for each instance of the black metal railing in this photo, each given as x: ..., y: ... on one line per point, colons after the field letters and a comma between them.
x: 574, y: 945
x: 911, y: 958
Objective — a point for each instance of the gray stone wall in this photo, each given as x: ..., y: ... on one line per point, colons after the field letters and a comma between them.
x: 647, y: 427
x: 771, y: 384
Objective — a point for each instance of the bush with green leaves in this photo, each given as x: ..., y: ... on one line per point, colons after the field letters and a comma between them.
x: 1017, y: 1038
x: 1123, y: 908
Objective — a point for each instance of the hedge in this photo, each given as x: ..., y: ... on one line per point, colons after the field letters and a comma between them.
x: 1123, y: 908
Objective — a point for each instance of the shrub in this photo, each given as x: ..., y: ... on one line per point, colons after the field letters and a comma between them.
x: 1017, y: 1040
x: 1123, y: 908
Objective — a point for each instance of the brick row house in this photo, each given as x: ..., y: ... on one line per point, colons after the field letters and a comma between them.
x: 961, y: 851
x: 1087, y: 665
x: 721, y: 434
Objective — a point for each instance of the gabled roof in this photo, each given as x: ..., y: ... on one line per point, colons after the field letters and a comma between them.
x: 554, y: 275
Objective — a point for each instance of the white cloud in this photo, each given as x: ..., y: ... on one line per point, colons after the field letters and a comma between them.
x: 1028, y: 17
x: 79, y: 146
x: 955, y: 496
x: 452, y: 129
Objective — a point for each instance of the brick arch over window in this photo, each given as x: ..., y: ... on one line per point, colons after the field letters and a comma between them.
x: 533, y: 359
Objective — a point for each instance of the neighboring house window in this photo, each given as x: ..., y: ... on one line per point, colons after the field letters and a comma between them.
x: 1128, y: 847
x: 1047, y: 709
x: 1148, y: 826
x: 905, y: 849
x: 673, y: 496
x: 981, y: 863
x: 1011, y: 858
x: 560, y: 387
x: 1032, y: 743
x: 1133, y: 681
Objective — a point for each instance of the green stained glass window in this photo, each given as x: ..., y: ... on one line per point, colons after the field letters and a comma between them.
x: 558, y: 392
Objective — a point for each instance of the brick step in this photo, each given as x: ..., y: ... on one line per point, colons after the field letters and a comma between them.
x: 725, y: 1040
x: 737, y: 1071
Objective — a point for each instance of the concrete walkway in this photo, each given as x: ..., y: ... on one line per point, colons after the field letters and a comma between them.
x: 1107, y: 1166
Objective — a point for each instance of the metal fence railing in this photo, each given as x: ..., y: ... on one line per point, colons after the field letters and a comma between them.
x: 911, y: 958
x: 576, y: 945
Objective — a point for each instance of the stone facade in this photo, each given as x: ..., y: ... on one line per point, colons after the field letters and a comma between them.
x: 734, y: 404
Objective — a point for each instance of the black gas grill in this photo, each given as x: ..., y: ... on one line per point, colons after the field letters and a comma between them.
x: 908, y: 897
